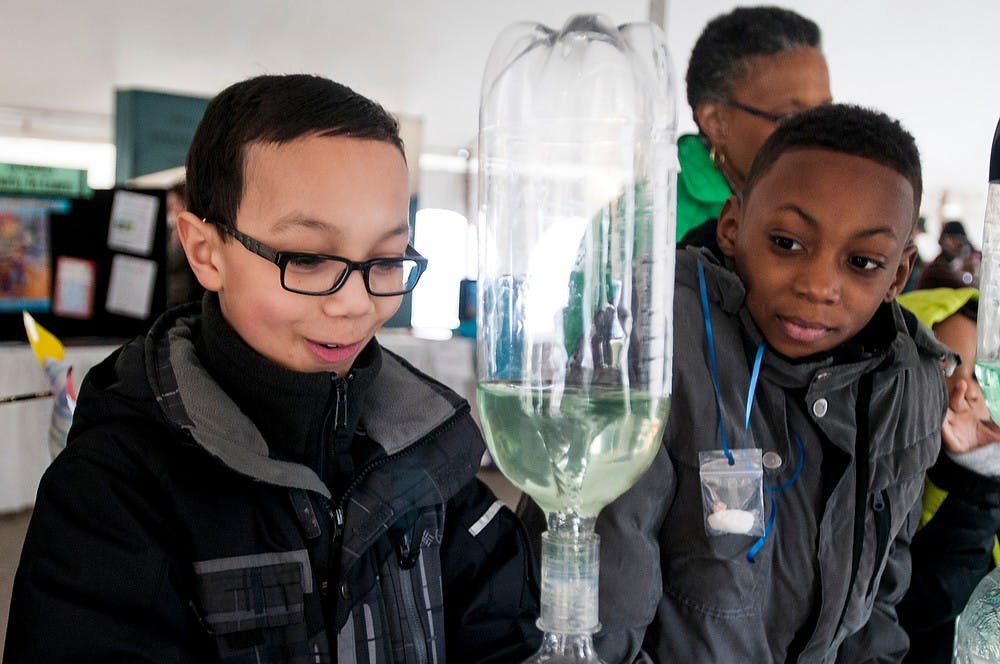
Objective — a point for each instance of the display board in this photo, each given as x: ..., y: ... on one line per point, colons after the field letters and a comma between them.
x: 88, y: 267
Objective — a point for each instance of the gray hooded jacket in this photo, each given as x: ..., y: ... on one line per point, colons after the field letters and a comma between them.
x: 824, y: 585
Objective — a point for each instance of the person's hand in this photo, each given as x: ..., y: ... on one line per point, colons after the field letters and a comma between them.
x: 965, y: 428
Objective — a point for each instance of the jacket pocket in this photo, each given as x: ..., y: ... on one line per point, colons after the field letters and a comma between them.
x: 696, y: 566
x: 400, y: 617
x: 882, y: 518
x: 254, y: 606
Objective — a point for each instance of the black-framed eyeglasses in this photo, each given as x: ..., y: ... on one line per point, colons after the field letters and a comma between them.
x: 321, y: 274
x: 753, y: 110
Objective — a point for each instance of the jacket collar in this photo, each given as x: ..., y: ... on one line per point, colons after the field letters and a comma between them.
x: 398, y: 408
x: 290, y: 408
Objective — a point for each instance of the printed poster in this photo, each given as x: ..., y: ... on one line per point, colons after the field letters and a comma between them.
x: 25, y: 264
x: 130, y: 291
x: 133, y: 222
x: 73, y: 296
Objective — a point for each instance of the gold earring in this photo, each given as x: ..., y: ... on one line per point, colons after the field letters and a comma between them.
x: 716, y: 155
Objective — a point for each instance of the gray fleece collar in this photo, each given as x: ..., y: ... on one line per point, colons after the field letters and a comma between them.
x: 400, y: 409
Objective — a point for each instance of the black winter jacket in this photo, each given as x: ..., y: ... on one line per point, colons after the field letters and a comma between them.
x: 196, y: 515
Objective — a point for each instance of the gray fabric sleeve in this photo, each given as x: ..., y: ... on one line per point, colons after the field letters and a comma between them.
x: 631, y: 576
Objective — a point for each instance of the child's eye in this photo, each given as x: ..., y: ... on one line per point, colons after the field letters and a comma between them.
x: 387, y: 267
x: 306, y: 262
x: 785, y: 243
x: 866, y: 263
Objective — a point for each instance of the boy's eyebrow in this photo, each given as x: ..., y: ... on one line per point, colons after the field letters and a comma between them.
x: 296, y: 220
x: 809, y: 219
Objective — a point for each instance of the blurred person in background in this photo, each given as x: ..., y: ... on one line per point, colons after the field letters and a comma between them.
x: 957, y: 266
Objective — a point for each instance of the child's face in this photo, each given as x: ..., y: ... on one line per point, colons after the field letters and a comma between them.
x: 331, y: 195
x: 819, y: 244
x: 959, y: 333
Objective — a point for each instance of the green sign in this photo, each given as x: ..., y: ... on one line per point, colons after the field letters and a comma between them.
x: 43, y: 181
x: 153, y: 131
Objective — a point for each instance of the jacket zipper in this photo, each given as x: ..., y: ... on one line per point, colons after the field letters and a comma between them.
x: 381, y: 461
x: 337, y: 511
x: 883, y: 518
x: 339, y: 412
x: 340, y: 408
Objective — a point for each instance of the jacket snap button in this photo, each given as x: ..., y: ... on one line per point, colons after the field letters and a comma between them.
x: 819, y: 407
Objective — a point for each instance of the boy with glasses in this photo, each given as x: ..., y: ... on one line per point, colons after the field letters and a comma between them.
x: 256, y: 480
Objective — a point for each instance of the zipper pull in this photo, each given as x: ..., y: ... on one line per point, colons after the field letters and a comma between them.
x: 305, y: 512
x: 338, y: 523
x: 340, y: 403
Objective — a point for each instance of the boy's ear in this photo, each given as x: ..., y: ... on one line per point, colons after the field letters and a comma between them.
x: 906, y: 262
x: 728, y: 226
x: 711, y: 119
x: 201, y: 244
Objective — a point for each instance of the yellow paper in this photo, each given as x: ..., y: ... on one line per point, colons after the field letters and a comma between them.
x: 43, y: 342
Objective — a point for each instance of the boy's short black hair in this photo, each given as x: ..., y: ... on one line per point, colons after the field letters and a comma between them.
x: 852, y: 130
x: 719, y: 57
x: 271, y: 109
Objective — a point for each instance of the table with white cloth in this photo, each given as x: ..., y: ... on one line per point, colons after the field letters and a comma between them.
x: 24, y: 425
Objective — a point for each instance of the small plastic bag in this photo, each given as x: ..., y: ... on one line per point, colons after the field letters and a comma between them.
x: 732, y: 494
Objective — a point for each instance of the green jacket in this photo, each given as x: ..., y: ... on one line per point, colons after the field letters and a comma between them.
x: 701, y: 189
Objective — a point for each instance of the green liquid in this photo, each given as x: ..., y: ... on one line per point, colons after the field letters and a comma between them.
x: 571, y: 449
x: 988, y: 375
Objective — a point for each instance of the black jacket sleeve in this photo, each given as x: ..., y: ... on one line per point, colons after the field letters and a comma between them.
x: 95, y: 580
x: 490, y: 580
x: 951, y: 554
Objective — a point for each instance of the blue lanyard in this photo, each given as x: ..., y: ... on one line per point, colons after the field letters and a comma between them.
x: 713, y: 365
x: 774, y: 501
x: 754, y: 376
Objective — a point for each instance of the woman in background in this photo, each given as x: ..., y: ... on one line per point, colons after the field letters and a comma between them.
x: 749, y: 70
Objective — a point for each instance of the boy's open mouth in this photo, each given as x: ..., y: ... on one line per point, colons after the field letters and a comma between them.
x: 802, y: 330
x: 329, y: 352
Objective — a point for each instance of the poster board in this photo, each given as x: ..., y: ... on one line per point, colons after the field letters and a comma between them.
x: 81, y: 258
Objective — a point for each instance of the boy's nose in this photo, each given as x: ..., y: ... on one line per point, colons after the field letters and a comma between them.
x: 819, y: 284
x: 352, y: 299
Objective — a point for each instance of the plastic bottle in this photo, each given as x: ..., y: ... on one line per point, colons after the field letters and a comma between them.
x: 988, y: 326
x: 977, y: 633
